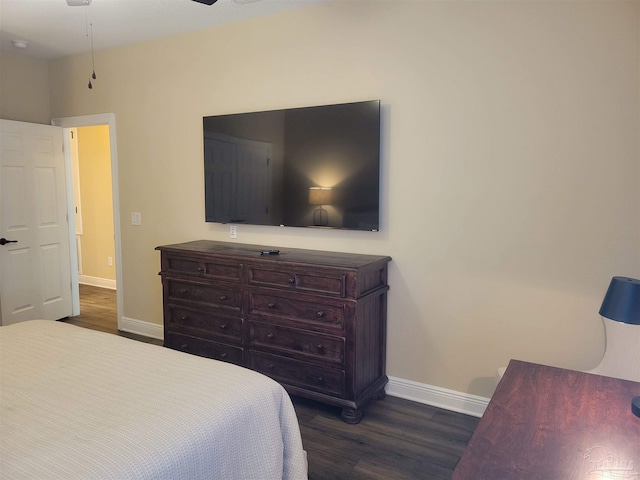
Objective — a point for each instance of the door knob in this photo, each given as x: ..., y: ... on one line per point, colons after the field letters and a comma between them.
x: 4, y: 241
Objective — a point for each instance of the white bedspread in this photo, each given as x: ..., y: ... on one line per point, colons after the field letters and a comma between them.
x: 81, y: 404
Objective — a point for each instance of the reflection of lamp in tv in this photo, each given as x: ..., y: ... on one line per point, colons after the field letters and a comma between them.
x: 320, y: 196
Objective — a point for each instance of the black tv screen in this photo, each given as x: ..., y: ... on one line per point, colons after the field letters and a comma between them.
x: 299, y: 167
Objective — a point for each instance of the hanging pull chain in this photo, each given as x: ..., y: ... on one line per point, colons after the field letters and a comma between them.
x: 89, y: 34
x: 93, y: 67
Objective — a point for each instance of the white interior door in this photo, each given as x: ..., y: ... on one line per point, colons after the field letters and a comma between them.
x: 77, y: 204
x: 35, y: 269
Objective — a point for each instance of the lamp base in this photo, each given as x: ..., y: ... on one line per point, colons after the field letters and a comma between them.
x: 635, y: 406
x: 320, y: 217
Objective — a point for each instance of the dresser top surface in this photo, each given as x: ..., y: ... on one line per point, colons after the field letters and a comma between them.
x: 285, y: 255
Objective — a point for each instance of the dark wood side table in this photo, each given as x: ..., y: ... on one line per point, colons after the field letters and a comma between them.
x: 549, y: 423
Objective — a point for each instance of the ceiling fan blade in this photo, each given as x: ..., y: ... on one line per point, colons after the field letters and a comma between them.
x: 206, y: 2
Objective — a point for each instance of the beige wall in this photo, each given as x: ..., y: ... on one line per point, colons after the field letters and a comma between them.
x: 511, y: 164
x: 94, y: 158
x: 24, y: 89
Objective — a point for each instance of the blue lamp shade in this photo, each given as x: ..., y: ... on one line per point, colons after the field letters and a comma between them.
x: 622, y: 301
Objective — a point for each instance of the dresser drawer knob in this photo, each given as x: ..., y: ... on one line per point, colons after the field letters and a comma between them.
x: 201, y: 269
x: 183, y: 346
x: 270, y: 366
x: 320, y: 314
x: 184, y: 318
x: 223, y: 326
x: 183, y: 290
x: 223, y: 355
x: 320, y: 347
x: 223, y: 298
x: 271, y: 305
x: 320, y: 379
x: 292, y: 280
x: 270, y: 336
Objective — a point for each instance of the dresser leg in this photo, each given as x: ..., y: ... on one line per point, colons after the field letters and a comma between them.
x: 351, y: 415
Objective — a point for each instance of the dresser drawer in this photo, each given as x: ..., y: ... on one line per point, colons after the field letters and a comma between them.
x: 204, y: 348
x: 214, y: 294
x: 229, y: 271
x: 301, y: 374
x: 333, y: 284
x: 205, y: 323
x: 278, y: 305
x: 297, y: 342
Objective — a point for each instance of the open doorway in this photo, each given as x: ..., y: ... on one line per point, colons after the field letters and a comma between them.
x: 93, y: 214
x: 93, y: 205
x: 92, y: 255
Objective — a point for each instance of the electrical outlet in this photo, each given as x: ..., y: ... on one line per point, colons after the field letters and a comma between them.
x: 136, y: 218
x: 233, y: 231
x: 110, y: 261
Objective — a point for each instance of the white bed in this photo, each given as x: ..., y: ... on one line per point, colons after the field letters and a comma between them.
x: 81, y: 404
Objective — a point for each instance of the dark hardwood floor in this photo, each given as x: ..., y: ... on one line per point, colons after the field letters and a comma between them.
x: 396, y: 440
x: 98, y: 311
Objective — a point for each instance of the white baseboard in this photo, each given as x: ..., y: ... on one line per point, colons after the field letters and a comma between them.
x: 437, y: 396
x: 97, y: 282
x: 139, y: 327
x: 397, y: 387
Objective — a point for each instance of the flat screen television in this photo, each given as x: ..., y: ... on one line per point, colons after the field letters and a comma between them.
x: 299, y: 167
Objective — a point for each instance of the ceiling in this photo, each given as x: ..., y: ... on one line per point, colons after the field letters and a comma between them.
x: 52, y: 29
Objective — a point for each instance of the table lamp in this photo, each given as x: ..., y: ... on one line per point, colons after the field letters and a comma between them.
x: 622, y: 304
x: 320, y: 196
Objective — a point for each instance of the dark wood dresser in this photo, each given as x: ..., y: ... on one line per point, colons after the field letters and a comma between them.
x: 314, y: 321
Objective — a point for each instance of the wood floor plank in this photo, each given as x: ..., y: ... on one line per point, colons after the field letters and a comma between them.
x: 98, y: 311
x: 372, y: 470
x: 371, y: 438
x: 396, y: 440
